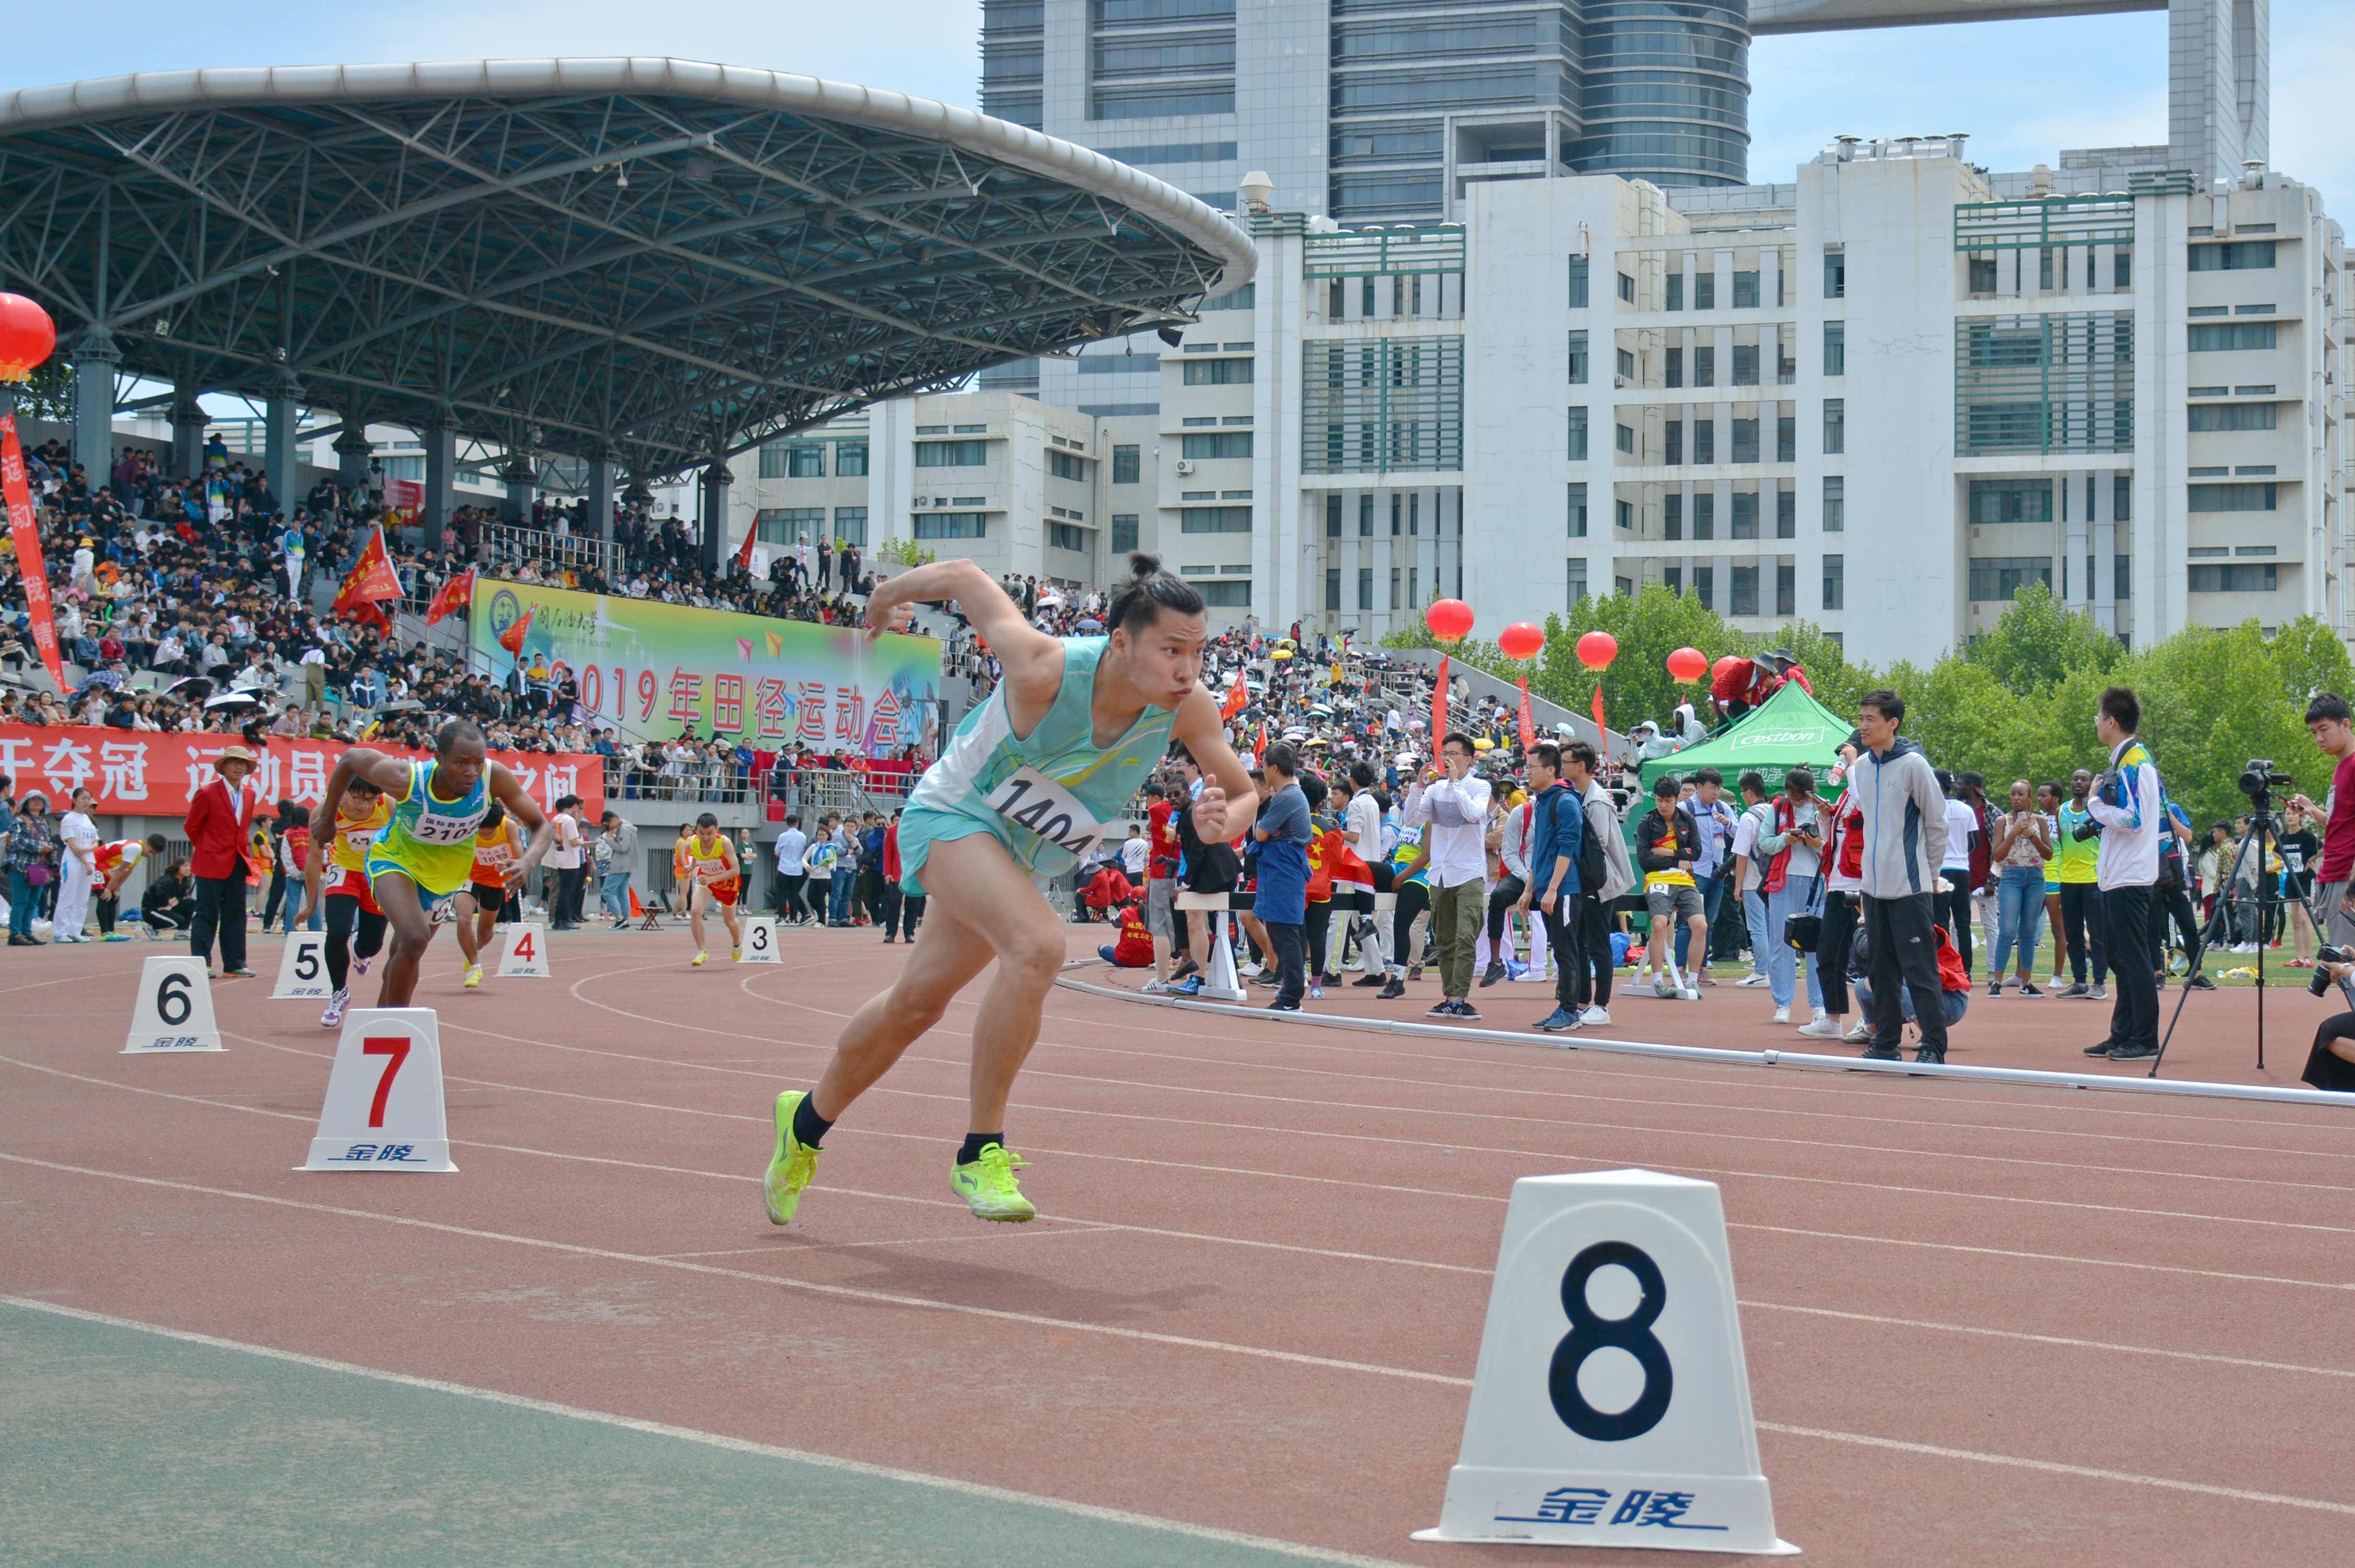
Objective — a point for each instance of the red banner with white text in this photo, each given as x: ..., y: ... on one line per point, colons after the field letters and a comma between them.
x: 26, y: 536
x: 150, y: 774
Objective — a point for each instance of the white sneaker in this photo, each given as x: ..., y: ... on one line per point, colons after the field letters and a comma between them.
x: 1156, y: 988
x: 1820, y: 1017
x: 1782, y: 1015
x: 1595, y: 1015
x: 1860, y: 1034
x: 1823, y: 1028
x: 1753, y: 978
x: 1249, y: 970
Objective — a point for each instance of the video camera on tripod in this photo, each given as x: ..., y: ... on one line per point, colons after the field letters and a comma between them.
x: 2260, y: 779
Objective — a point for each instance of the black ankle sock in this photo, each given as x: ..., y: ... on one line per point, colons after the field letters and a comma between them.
x: 970, y: 1150
x: 808, y: 1126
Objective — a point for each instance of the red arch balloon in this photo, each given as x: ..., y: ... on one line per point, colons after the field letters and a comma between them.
x: 1597, y: 649
x: 1688, y: 663
x: 1521, y: 640
x: 1449, y: 620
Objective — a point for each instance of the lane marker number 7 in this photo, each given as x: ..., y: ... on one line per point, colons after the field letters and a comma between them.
x: 397, y: 1047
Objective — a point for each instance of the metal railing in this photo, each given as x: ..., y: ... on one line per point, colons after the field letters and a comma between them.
x: 504, y: 544
x: 711, y: 782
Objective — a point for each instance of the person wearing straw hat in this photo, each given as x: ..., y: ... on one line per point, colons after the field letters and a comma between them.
x: 219, y: 819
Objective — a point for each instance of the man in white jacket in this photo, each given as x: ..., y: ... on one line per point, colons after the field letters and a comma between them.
x: 1454, y: 802
x: 1902, y: 818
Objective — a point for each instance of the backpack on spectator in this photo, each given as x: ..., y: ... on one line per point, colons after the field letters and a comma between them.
x: 1594, y: 865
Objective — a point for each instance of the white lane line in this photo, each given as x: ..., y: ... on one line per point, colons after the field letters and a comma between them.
x: 846, y: 1292
x: 2127, y: 1477
x: 715, y: 1440
x: 2047, y: 1257
x: 2046, y: 1339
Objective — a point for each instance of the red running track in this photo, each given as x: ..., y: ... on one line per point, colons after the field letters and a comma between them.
x: 1986, y: 1324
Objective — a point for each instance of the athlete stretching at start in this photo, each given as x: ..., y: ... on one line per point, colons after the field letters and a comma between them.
x: 1021, y: 791
x: 707, y: 863
x: 423, y: 853
x: 498, y: 844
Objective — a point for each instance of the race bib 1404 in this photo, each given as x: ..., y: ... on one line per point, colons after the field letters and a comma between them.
x: 1029, y: 798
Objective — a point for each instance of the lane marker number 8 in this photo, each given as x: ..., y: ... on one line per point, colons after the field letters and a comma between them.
x: 1590, y: 1333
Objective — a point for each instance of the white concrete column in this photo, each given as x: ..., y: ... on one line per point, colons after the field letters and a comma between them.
x: 2076, y: 534
x: 2105, y: 573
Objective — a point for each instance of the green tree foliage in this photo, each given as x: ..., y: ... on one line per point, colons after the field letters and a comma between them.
x: 2018, y: 703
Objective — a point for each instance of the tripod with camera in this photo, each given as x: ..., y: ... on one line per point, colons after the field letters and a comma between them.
x: 2258, y: 782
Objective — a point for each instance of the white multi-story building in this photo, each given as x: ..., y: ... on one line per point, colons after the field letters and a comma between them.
x: 1880, y: 397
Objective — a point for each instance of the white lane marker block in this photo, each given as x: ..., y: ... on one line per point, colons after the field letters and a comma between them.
x: 174, y: 1008
x: 1610, y: 1406
x: 759, y: 942
x: 384, y: 1109
x: 303, y: 969
x: 523, y: 950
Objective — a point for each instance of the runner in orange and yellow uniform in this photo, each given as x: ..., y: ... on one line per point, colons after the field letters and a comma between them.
x: 497, y: 844
x: 343, y: 873
x: 707, y: 865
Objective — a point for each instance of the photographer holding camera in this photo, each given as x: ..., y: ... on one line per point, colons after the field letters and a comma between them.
x: 2128, y: 805
x: 2327, y: 719
x: 2331, y: 1064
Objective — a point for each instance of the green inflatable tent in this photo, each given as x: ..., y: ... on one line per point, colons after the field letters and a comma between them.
x: 1789, y: 729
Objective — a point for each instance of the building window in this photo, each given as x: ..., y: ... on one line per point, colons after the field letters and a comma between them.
x: 1786, y: 438
x: 1745, y: 514
x: 952, y: 526
x: 2231, y: 497
x: 1834, y: 502
x: 850, y: 462
x: 2012, y: 501
x: 1704, y: 366
x: 1745, y: 365
x: 1673, y: 435
x: 2232, y: 336
x: 1835, y: 276
x: 1836, y: 348
x: 1063, y: 465
x: 1365, y: 517
x: 1704, y: 440
x: 2232, y: 416
x: 1624, y: 438
x: 1627, y: 287
x: 1578, y: 511
x: 1743, y: 601
x: 1064, y: 536
x: 2122, y: 584
x: 1364, y: 587
x: 1622, y: 515
x: 1787, y: 590
x: 1396, y: 602
x: 1672, y: 515
x: 1575, y: 589
x: 2122, y: 497
x: 1672, y: 368
x: 1332, y: 518
x: 1835, y: 582
x: 1673, y: 294
x: 1126, y: 466
x: 1577, y: 435
x: 1835, y: 426
x: 1673, y: 578
x: 789, y: 524
x: 952, y: 454
x: 2248, y: 576
x: 1982, y: 280
x: 1704, y: 516
x: 1333, y: 588
x: 1234, y: 444
x: 1623, y: 586
x: 2122, y: 269
x: 1232, y: 594
x: 2241, y: 256
x: 1578, y: 282
x: 1995, y: 579
x: 1124, y: 532
x: 1745, y: 291
x: 1217, y: 372
x: 1215, y: 520
x: 1786, y: 514
x: 1578, y: 359
x: 1705, y: 585
x: 1626, y: 367
x: 850, y: 525
x: 1704, y: 291
x: 1745, y: 440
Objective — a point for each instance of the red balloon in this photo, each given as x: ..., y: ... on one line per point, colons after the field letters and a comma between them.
x: 28, y: 336
x: 1597, y: 649
x: 1449, y: 620
x: 1521, y: 640
x: 1688, y: 663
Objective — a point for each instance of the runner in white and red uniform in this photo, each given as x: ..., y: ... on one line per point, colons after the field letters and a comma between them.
x: 341, y: 875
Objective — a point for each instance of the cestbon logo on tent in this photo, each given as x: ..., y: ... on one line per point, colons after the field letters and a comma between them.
x: 1775, y: 737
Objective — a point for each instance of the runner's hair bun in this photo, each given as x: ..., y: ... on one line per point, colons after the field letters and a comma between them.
x: 1149, y: 591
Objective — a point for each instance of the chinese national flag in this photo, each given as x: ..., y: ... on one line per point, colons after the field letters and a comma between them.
x: 1238, y: 697
x: 455, y: 595
x: 744, y: 551
x: 371, y: 578
x: 512, y: 638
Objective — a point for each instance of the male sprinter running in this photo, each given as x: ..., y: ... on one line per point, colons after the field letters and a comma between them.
x: 498, y: 843
x: 713, y: 876
x: 342, y: 872
x: 1021, y: 791
x: 424, y: 853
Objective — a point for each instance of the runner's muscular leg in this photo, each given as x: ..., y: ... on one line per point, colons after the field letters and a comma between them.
x: 404, y: 910
x: 1011, y: 924
x: 469, y: 943
x: 697, y: 896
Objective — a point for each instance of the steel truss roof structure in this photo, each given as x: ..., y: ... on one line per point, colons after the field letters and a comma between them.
x: 651, y: 261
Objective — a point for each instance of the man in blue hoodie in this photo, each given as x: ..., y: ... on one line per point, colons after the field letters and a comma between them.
x: 1556, y: 816
x: 1903, y: 821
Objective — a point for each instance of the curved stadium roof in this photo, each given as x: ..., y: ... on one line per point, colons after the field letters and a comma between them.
x: 655, y: 258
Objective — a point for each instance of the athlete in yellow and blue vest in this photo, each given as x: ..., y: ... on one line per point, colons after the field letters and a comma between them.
x: 1030, y: 782
x: 423, y: 853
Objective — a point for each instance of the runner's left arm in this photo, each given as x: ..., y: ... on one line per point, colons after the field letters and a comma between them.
x: 1228, y: 802
x: 521, y: 807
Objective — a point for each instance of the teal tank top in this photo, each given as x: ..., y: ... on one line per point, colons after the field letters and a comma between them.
x: 1045, y: 796
x: 433, y: 840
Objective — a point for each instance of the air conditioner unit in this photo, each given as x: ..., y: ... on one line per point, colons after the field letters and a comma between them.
x: 924, y: 501
x: 1184, y: 466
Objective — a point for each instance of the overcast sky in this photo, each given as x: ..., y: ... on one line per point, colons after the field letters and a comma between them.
x: 2023, y: 90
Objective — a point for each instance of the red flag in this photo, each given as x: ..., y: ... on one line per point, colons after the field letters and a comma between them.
x: 512, y: 638
x: 1601, y: 735
x: 455, y: 595
x: 1238, y: 696
x: 371, y: 578
x: 744, y: 551
x: 1439, y: 709
x: 28, y: 536
x: 1529, y: 724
